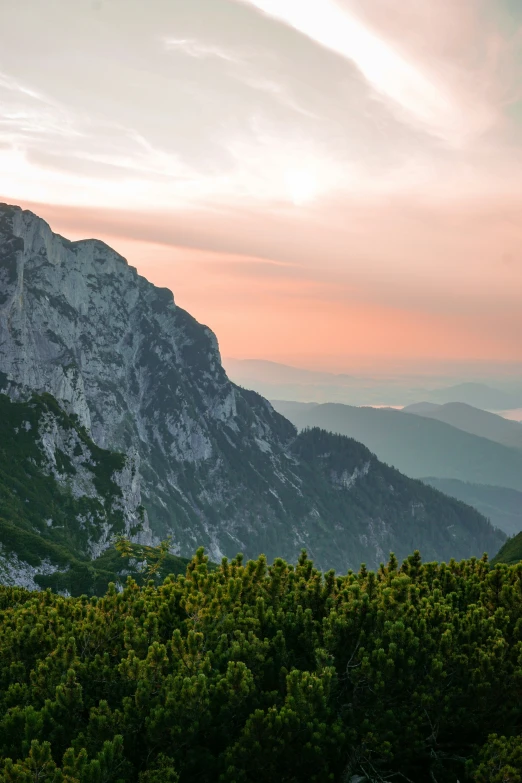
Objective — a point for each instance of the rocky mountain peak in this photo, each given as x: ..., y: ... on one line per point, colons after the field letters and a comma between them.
x: 218, y: 466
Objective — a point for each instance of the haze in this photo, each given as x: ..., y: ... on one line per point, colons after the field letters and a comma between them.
x: 333, y: 185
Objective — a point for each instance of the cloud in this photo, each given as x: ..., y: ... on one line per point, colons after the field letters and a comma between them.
x: 26, y: 112
x: 251, y: 71
x: 8, y: 83
x: 55, y: 153
x: 291, y: 287
x: 199, y: 51
x: 423, y: 97
x: 177, y: 140
x: 47, y: 148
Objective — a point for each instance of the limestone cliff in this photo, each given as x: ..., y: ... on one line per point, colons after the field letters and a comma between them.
x: 218, y: 466
x: 62, y: 498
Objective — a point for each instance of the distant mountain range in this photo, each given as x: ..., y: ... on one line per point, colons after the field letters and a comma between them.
x: 416, y: 445
x: 478, y: 395
x: 215, y: 464
x: 283, y: 382
x: 469, y: 419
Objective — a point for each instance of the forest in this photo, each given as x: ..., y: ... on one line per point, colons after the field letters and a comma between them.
x: 249, y: 672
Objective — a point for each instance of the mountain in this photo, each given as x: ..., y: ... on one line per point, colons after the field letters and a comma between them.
x: 219, y: 467
x: 473, y: 420
x: 284, y: 382
x: 501, y: 505
x: 420, y: 446
x: 421, y: 408
x: 479, y: 395
x: 275, y: 372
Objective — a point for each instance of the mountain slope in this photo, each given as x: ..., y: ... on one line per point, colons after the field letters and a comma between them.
x: 421, y: 408
x: 420, y: 446
x: 387, y: 511
x: 62, y: 499
x: 219, y: 467
x: 501, y: 505
x: 473, y: 420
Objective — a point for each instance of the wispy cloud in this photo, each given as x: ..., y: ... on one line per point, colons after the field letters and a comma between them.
x: 199, y: 50
x: 8, y: 83
x: 423, y: 97
x: 26, y: 112
x: 278, y: 91
x: 300, y: 171
x: 250, y: 73
x: 48, y: 148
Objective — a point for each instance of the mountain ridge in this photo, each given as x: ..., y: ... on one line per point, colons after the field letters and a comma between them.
x: 287, y: 382
x: 478, y: 422
x: 419, y: 446
x: 219, y: 466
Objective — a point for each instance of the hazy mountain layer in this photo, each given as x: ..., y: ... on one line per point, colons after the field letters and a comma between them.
x: 479, y: 395
x: 419, y: 446
x: 473, y: 420
x: 219, y: 467
x: 283, y: 382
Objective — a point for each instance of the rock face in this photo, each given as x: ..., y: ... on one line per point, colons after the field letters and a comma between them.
x: 16, y: 572
x: 219, y: 467
x: 62, y: 498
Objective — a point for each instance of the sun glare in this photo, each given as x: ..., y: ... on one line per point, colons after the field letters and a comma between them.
x: 301, y: 185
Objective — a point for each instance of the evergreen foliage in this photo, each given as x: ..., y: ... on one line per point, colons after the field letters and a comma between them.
x: 249, y: 673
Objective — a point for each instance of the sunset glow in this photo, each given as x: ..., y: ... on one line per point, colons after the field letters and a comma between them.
x: 317, y: 181
x: 301, y: 185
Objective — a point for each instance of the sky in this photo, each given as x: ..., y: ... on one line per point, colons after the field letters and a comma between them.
x: 334, y: 184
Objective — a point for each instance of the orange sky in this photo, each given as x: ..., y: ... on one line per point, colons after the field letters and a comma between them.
x: 322, y: 183
x: 340, y: 316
